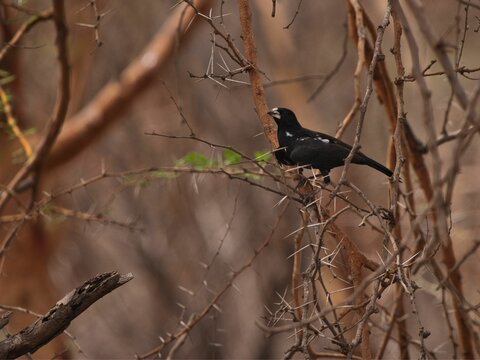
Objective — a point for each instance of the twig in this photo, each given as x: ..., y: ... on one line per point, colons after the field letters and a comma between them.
x: 218, y: 295
x: 380, y: 272
x: 297, y: 265
x: 361, y: 331
x: 335, y: 69
x: 212, y: 145
x: 377, y: 56
x: 459, y: 263
x: 357, y: 29
x: 451, y: 330
x: 61, y: 105
x: 92, y: 121
x: 13, y: 124
x: 399, y: 144
x: 440, y: 228
x: 458, y: 56
x: 293, y: 80
x: 179, y: 342
x: 437, y: 202
x: 255, y: 79
x: 439, y: 47
x: 26, y: 26
x: 59, y: 113
x: 179, y: 109
x: 96, y: 25
x: 294, y: 15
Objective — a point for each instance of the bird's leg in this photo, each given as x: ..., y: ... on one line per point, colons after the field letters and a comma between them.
x: 323, y: 175
x: 302, y: 179
x: 326, y: 176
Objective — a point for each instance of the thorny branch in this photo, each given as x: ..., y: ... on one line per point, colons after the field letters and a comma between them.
x: 35, y: 162
x: 315, y: 312
x: 214, y: 302
x: 106, y: 107
x: 33, y: 20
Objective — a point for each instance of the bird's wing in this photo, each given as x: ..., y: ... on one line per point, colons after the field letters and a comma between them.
x: 319, y: 152
x: 325, y: 152
x: 282, y: 156
x: 327, y: 139
x: 305, y: 151
x: 359, y: 158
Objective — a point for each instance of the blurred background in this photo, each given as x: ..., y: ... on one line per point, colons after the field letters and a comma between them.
x: 170, y: 227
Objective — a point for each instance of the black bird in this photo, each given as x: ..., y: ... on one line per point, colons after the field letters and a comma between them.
x: 300, y: 146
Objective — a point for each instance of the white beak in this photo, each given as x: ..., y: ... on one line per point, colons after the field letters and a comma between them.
x: 274, y: 113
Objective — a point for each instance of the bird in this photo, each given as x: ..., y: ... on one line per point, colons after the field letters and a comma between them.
x: 304, y: 147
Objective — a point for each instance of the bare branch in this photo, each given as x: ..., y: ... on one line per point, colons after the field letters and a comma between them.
x: 61, y: 315
x: 33, y: 20
x: 439, y: 47
x: 117, y: 96
x: 61, y: 105
x: 255, y: 79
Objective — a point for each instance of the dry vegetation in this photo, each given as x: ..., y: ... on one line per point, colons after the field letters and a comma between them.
x: 135, y: 144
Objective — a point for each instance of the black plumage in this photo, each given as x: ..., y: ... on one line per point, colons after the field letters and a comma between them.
x: 304, y: 147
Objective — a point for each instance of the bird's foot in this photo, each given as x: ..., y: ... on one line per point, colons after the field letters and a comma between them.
x: 324, y: 176
x: 301, y: 179
x: 326, y: 179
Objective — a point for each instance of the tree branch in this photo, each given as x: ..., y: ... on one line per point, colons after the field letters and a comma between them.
x: 95, y: 118
x: 61, y: 105
x: 24, y: 28
x: 255, y: 79
x: 61, y: 315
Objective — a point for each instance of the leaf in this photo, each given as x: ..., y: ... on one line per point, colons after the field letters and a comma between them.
x: 231, y: 157
x: 135, y: 180
x: 195, y: 159
x: 164, y: 174
x: 254, y: 177
x: 262, y: 155
x: 30, y: 131
x: 49, y: 211
x: 6, y: 77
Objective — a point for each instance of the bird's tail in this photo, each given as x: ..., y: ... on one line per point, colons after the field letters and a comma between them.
x: 377, y: 166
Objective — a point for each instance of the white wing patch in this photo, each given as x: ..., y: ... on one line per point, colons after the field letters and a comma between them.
x: 288, y: 134
x: 326, y: 141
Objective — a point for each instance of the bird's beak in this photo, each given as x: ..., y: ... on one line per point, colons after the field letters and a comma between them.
x: 274, y: 113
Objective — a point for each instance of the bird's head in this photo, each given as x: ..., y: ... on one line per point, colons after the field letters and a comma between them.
x: 284, y: 117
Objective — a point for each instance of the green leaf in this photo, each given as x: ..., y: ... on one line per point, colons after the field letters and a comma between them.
x: 53, y: 214
x: 262, y: 155
x: 30, y: 131
x: 252, y: 176
x: 18, y: 156
x: 195, y: 159
x: 135, y: 180
x: 164, y: 174
x: 6, y: 77
x: 231, y: 157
